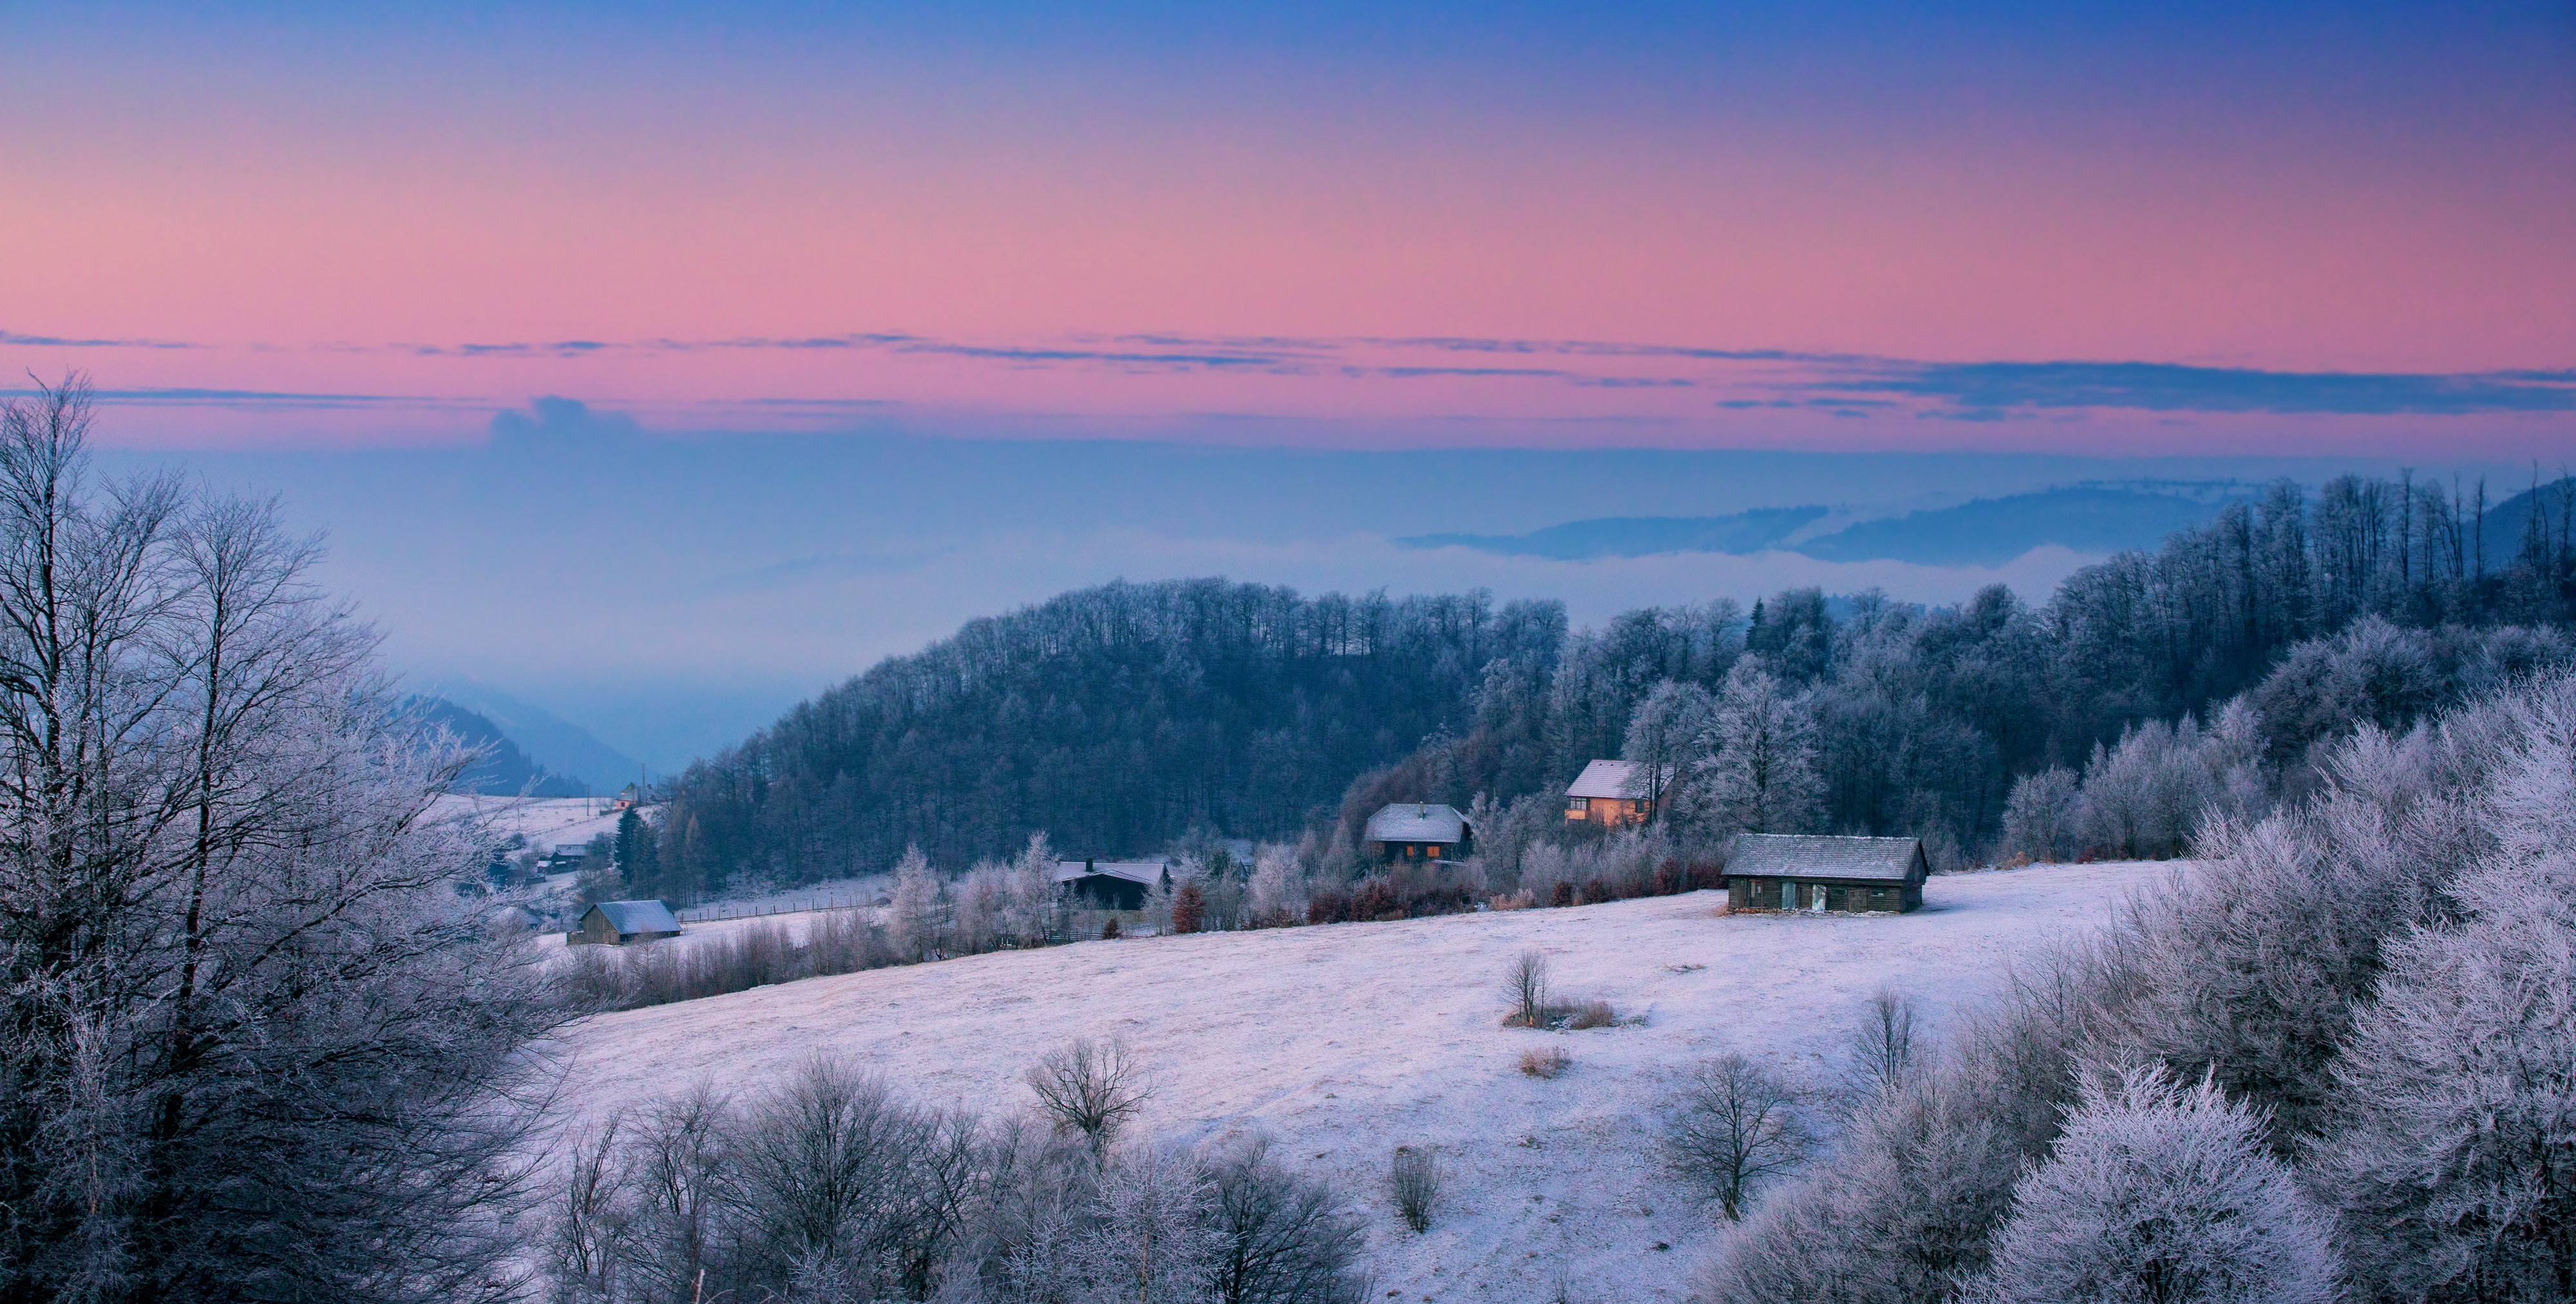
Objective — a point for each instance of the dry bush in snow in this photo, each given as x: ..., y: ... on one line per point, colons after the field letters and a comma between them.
x: 1592, y: 1014
x: 1737, y: 1126
x: 1545, y: 1062
x: 1091, y: 1089
x: 1415, y: 1181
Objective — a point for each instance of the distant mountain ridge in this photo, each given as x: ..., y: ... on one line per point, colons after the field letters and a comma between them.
x: 550, y: 741
x: 505, y: 770
x: 1981, y: 532
x: 1638, y: 536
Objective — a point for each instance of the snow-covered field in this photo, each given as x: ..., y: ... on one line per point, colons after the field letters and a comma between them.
x: 1348, y: 1040
x: 546, y: 822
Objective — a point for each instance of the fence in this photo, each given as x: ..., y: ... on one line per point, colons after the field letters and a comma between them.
x: 715, y: 911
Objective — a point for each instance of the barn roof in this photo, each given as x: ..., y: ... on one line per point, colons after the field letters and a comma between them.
x: 638, y: 916
x: 1412, y: 821
x: 1147, y: 872
x: 1787, y: 855
x: 1612, y: 779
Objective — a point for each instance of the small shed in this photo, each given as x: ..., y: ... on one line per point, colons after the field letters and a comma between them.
x: 619, y: 923
x: 1112, y: 884
x: 1779, y: 871
x: 1412, y: 830
x: 1614, y: 794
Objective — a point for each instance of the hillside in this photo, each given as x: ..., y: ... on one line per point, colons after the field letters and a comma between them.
x: 1115, y: 718
x: 1347, y: 1040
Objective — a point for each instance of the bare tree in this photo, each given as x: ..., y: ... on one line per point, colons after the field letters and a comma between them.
x: 1737, y: 1127
x: 1091, y: 1089
x: 1883, y: 1044
x: 256, y: 1043
x: 1525, y: 983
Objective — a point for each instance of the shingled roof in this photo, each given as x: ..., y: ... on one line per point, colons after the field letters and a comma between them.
x: 1615, y: 779
x: 1799, y: 856
x: 1147, y: 872
x: 1413, y: 821
x: 638, y: 917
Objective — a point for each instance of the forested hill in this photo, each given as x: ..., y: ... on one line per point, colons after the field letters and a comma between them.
x: 1118, y: 718
x: 1114, y: 718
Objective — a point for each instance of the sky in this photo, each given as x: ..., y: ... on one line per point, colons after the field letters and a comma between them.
x: 664, y: 363
x: 2133, y: 229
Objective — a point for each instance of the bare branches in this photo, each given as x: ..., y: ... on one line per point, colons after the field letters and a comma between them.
x: 1525, y: 985
x: 1415, y: 1180
x: 1091, y: 1089
x: 1737, y: 1127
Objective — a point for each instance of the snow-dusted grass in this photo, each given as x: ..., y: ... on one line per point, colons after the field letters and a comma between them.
x: 1348, y: 1040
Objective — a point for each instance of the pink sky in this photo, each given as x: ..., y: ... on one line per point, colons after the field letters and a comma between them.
x: 324, y: 236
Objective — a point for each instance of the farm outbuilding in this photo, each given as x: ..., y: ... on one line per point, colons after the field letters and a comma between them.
x: 1412, y: 830
x: 1112, y: 884
x: 620, y: 923
x: 1780, y: 871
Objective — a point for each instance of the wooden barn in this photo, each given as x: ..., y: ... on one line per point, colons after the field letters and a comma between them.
x: 620, y: 923
x: 1613, y: 794
x: 1779, y: 871
x: 1412, y: 830
x: 1112, y: 884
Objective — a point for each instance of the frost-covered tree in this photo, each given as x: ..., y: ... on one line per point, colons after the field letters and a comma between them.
x: 915, y: 919
x: 1034, y: 899
x: 1665, y: 732
x: 1151, y: 1240
x: 1759, y: 768
x: 253, y: 1044
x: 2041, y: 816
x: 2451, y: 1149
x: 2160, y: 1194
x: 1278, y: 886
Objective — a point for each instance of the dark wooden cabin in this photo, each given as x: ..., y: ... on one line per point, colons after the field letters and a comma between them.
x: 1780, y: 871
x: 622, y: 923
x: 1112, y: 884
x: 1412, y: 830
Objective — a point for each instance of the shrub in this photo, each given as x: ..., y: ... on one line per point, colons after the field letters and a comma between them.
x: 1091, y: 1089
x: 1109, y: 929
x: 1525, y: 983
x: 1189, y: 908
x: 1545, y: 1061
x: 1416, y: 1182
x: 1285, y: 1239
x: 1592, y: 1014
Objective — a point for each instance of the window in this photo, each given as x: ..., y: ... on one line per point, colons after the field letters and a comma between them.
x: 1577, y: 805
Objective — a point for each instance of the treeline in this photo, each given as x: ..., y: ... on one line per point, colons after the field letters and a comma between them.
x: 1113, y: 718
x: 2370, y: 602
x: 1120, y: 718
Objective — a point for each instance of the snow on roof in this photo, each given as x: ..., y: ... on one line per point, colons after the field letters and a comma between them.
x: 1611, y: 779
x: 1413, y: 821
x: 1790, y: 855
x: 1147, y: 872
x: 638, y: 916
